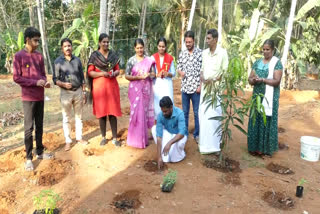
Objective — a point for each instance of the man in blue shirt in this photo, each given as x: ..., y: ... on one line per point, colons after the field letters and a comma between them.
x: 170, y: 133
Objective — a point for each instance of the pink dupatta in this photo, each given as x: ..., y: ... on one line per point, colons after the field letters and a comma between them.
x: 141, y: 105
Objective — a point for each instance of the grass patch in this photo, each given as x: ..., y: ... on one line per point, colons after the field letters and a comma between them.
x: 252, y: 162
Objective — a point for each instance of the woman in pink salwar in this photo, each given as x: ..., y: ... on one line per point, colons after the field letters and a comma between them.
x: 140, y: 72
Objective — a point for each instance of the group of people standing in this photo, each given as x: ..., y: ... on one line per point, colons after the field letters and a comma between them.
x: 150, y: 93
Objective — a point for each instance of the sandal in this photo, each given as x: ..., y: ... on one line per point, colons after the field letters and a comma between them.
x: 28, y: 165
x: 45, y: 156
x: 103, y: 142
x: 116, y: 143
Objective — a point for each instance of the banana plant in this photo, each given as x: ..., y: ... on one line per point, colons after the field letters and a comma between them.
x: 12, y: 44
x: 84, y: 33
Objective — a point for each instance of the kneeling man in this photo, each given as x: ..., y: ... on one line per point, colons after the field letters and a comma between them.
x: 170, y: 133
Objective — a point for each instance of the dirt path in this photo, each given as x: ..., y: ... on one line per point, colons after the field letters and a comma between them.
x: 94, y: 179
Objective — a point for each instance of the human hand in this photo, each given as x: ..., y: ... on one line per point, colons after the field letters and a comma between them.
x: 41, y: 82
x: 67, y: 85
x: 258, y: 80
x: 116, y: 73
x: 106, y: 74
x: 160, y: 163
x: 198, y: 89
x: 47, y: 85
x: 166, y: 149
x: 84, y: 97
x: 181, y: 73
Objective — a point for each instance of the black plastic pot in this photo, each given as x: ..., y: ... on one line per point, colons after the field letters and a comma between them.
x: 167, y: 187
x: 299, y: 191
x: 43, y: 211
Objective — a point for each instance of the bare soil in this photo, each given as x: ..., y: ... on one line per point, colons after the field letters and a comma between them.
x: 152, y: 166
x: 277, y: 168
x: 93, y: 151
x: 53, y: 173
x: 91, y: 182
x: 278, y: 200
x: 127, y: 201
x: 226, y: 165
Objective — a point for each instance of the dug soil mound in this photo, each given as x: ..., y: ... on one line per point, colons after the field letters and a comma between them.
x: 11, y: 160
x: 93, y: 151
x: 7, y: 197
x: 226, y: 165
x: 127, y: 201
x: 54, y: 172
x: 52, y: 141
x: 126, y: 110
x: 231, y: 178
x: 152, y: 166
x: 89, y: 124
x: 122, y: 134
x: 278, y: 200
x: 277, y: 168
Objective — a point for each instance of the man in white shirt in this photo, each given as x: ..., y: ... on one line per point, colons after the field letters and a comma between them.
x: 214, y: 62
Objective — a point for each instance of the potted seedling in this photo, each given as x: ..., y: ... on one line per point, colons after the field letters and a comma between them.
x: 299, y: 191
x: 46, y: 202
x: 168, y: 181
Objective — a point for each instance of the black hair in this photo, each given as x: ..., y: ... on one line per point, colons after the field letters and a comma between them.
x: 102, y: 36
x: 65, y: 40
x: 31, y: 32
x: 138, y: 41
x: 162, y: 39
x: 214, y: 33
x: 166, y: 102
x: 269, y: 42
x: 189, y: 34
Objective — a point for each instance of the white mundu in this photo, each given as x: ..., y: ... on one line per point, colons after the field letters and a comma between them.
x: 176, y: 152
x: 212, y: 66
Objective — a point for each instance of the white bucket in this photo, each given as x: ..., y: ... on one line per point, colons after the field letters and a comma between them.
x: 310, y: 148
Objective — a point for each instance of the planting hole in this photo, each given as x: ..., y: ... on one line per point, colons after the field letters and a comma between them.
x: 54, y: 172
x: 127, y: 201
x: 277, y: 168
x: 278, y: 200
x: 152, y: 166
x: 226, y: 165
x: 93, y: 151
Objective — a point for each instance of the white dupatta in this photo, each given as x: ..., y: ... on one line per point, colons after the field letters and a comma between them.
x: 268, y: 96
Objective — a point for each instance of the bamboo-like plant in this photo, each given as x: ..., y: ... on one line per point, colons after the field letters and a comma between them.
x: 234, y: 106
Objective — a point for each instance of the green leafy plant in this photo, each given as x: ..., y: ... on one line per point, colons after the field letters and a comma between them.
x: 226, y: 94
x: 47, y: 199
x: 170, y: 178
x: 302, y: 181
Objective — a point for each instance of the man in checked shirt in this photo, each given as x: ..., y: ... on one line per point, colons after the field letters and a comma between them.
x: 189, y: 66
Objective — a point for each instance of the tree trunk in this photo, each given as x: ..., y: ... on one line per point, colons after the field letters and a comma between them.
x: 144, y: 35
x: 114, y: 24
x: 273, y: 8
x: 193, y: 7
x: 144, y: 18
x: 108, y: 16
x: 199, y: 35
x: 45, y: 51
x: 184, y: 21
x: 4, y: 14
x: 103, y: 16
x: 288, y: 34
x: 31, y: 13
x: 220, y: 20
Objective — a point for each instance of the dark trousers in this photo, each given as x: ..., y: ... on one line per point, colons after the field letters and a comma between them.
x: 195, y: 98
x: 33, y: 114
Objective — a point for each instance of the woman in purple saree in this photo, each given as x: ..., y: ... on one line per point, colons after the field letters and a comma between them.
x: 140, y: 71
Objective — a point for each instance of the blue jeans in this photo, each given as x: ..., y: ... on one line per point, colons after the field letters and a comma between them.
x: 195, y: 98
